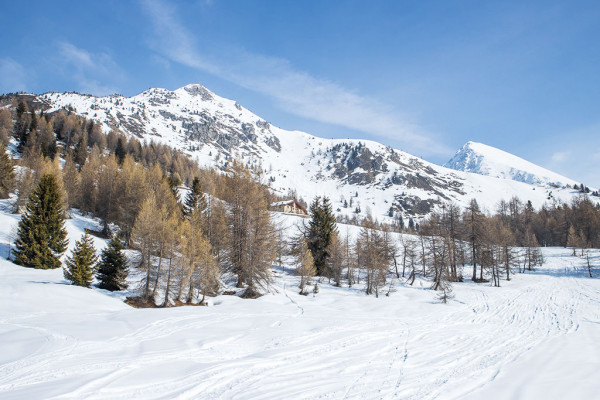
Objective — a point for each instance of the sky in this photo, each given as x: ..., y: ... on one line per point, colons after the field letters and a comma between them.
x: 420, y: 76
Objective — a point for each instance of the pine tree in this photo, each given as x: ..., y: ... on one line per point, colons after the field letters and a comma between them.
x: 195, y: 198
x: 79, y: 267
x: 34, y: 124
x: 22, y: 109
x: 174, y: 181
x: 22, y: 124
x: 7, y: 173
x: 321, y: 228
x: 112, y: 268
x: 81, y: 150
x: 120, y: 151
x: 42, y: 237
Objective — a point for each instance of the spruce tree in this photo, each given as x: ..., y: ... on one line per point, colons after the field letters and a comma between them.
x: 120, y: 151
x: 195, y: 198
x: 81, y: 151
x: 80, y: 266
x: 42, y: 237
x: 22, y: 125
x: 112, y: 268
x: 322, y: 227
x: 7, y: 173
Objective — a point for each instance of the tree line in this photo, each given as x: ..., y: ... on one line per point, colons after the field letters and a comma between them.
x: 446, y: 244
x: 222, y: 231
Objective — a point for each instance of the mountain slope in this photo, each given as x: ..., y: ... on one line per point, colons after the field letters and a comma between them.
x: 359, y: 176
x: 482, y: 159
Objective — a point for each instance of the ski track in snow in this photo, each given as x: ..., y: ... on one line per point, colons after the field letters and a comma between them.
x: 311, y: 354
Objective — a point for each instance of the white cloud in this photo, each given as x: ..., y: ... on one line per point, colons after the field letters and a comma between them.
x: 13, y: 77
x: 560, y: 156
x: 94, y: 73
x: 575, y: 154
x: 163, y: 62
x: 293, y: 90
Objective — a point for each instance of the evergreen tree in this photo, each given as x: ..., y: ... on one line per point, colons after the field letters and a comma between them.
x: 34, y: 123
x: 22, y: 124
x: 80, y: 154
x: 80, y: 266
x: 195, y: 198
x: 7, y: 173
x: 22, y: 109
x: 320, y: 230
x: 174, y: 181
x: 120, y: 151
x: 112, y: 268
x: 42, y: 237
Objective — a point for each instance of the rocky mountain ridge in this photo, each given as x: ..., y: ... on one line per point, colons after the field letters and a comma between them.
x: 359, y: 176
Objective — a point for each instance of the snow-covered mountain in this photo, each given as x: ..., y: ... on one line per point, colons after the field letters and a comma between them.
x: 486, y: 160
x: 359, y: 176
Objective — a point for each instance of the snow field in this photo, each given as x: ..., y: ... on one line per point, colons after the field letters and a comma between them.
x: 535, y: 337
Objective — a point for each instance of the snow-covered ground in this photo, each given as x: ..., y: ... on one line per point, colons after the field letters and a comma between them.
x: 533, y: 338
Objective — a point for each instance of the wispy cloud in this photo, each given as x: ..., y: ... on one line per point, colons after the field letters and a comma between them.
x: 13, y: 77
x: 94, y: 73
x: 560, y: 156
x: 574, y: 153
x: 295, y: 91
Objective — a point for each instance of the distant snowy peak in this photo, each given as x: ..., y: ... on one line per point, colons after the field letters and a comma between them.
x: 486, y: 160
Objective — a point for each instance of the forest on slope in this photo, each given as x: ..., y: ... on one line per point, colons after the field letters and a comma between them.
x: 198, y: 228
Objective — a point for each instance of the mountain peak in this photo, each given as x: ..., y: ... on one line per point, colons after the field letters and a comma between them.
x: 196, y: 89
x: 486, y: 160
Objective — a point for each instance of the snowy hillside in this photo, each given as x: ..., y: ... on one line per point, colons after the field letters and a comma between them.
x: 490, y: 161
x: 359, y: 176
x: 535, y: 337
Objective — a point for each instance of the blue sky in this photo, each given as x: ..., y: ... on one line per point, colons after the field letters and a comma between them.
x: 424, y: 77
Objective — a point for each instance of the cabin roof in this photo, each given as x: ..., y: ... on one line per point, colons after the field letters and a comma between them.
x: 289, y: 202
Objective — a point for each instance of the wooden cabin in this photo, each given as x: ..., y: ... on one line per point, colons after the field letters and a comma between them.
x: 289, y: 207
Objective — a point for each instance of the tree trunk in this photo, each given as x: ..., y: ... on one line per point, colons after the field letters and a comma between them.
x: 412, y: 276
x: 166, y: 302
x: 474, y: 260
x: 160, y: 257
